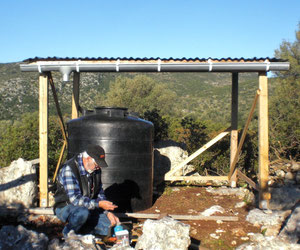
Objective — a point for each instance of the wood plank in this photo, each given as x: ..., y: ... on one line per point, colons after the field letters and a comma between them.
x: 198, y: 152
x: 263, y: 140
x: 35, y: 161
x: 236, y: 157
x: 49, y: 211
x: 234, y: 124
x: 179, y: 217
x: 75, y: 95
x: 59, y: 160
x: 196, y: 178
x: 248, y: 180
x: 43, y: 138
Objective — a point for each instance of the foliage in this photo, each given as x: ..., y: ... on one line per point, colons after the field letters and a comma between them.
x: 160, y: 124
x: 141, y: 94
x: 285, y: 104
x: 192, y: 133
x: 21, y: 140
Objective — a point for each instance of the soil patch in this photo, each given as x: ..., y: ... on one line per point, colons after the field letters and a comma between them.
x: 210, y: 234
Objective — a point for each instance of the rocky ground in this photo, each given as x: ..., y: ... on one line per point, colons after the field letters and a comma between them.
x: 276, y: 228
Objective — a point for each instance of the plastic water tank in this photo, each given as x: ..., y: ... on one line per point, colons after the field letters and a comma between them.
x: 128, y: 145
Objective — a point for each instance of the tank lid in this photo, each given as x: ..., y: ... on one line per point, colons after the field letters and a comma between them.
x: 111, y: 111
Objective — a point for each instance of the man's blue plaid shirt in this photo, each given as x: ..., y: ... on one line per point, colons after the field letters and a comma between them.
x: 72, y: 188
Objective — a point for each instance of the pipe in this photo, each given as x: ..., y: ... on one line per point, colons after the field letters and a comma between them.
x: 67, y: 68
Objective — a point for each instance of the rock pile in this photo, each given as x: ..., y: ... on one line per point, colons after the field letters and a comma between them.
x: 284, y: 174
x: 284, y: 182
x: 20, y: 238
x: 75, y: 241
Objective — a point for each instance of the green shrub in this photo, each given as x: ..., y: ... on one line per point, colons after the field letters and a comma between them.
x: 21, y: 140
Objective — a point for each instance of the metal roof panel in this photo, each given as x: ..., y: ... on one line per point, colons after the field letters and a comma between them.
x: 151, y: 59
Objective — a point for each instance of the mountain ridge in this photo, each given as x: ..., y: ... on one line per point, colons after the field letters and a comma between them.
x: 203, y: 95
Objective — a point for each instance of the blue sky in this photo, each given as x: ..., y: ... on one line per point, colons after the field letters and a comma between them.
x: 152, y: 28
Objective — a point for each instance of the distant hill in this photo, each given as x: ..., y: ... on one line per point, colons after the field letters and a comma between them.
x: 204, y: 95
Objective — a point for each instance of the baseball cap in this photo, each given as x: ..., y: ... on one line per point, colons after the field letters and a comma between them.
x: 98, y: 154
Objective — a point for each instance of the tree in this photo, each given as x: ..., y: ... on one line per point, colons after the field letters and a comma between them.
x: 21, y: 140
x: 160, y: 124
x: 140, y: 94
x: 285, y: 104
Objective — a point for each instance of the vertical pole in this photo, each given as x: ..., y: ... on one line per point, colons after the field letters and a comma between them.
x: 234, y: 124
x: 75, y: 95
x: 43, y: 138
x: 263, y: 141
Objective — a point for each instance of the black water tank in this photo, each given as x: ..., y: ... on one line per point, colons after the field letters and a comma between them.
x: 128, y: 145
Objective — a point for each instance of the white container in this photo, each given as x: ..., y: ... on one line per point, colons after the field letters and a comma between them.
x: 122, y: 238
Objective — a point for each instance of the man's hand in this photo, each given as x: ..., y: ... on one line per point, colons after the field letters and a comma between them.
x: 107, y: 205
x: 113, y: 219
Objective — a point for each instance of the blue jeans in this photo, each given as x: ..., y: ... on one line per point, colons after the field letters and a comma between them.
x: 83, y: 219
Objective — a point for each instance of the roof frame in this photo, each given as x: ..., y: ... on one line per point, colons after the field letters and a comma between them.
x: 160, y: 65
x: 76, y: 65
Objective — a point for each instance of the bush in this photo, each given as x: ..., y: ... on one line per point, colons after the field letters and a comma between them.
x: 160, y: 124
x: 21, y: 140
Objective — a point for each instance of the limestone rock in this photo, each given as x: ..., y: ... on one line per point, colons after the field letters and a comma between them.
x: 20, y: 238
x: 164, y: 234
x: 167, y: 155
x: 284, y: 197
x: 289, y: 176
x: 295, y: 166
x: 242, y: 193
x: 214, y: 209
x: 240, y: 204
x: 271, y: 230
x: 18, y: 184
x: 280, y: 173
x: 74, y: 241
x: 257, y: 216
x: 291, y: 231
x: 238, y: 231
x: 118, y: 247
x: 258, y: 241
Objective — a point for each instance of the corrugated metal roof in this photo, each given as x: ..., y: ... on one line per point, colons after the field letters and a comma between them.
x: 151, y: 59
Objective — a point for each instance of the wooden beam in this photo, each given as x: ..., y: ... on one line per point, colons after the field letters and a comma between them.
x: 198, y: 152
x: 75, y: 95
x: 236, y: 157
x: 248, y: 180
x: 58, y: 110
x: 43, y: 138
x: 60, y: 159
x: 177, y: 216
x: 196, y: 178
x: 234, y: 124
x: 49, y: 211
x: 263, y: 141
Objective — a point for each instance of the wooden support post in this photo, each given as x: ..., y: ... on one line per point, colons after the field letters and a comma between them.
x: 236, y: 157
x: 75, y: 95
x: 43, y: 138
x: 234, y: 125
x: 263, y: 141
